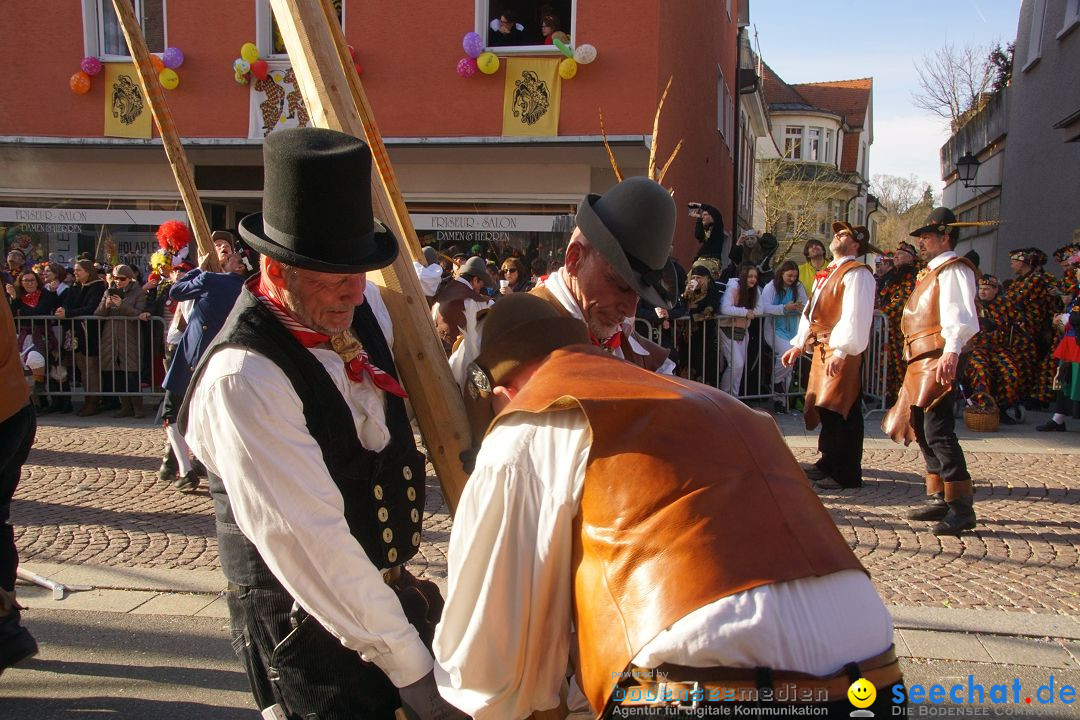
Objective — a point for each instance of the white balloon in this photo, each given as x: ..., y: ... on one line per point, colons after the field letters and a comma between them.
x: 584, y: 54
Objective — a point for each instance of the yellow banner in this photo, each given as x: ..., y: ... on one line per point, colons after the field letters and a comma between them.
x: 531, y: 97
x: 127, y: 113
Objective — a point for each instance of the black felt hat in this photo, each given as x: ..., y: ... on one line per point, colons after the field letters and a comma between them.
x: 317, y: 204
x: 632, y: 226
x: 940, y: 220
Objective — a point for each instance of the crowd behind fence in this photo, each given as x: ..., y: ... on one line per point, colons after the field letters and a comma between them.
x: 94, y: 356
x: 125, y: 356
x: 703, y: 348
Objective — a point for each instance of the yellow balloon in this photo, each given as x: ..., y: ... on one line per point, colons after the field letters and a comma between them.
x: 249, y: 52
x: 487, y: 63
x: 168, y: 79
x: 567, y: 68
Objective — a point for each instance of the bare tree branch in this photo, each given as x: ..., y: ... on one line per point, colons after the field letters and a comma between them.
x: 952, y: 80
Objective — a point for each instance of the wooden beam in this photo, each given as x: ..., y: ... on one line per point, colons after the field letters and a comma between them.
x: 170, y: 139
x: 334, y: 99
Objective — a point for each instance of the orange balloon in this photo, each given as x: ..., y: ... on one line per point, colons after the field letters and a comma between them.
x: 79, y: 83
x: 157, y: 62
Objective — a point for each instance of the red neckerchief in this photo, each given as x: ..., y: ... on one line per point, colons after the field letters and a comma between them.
x: 822, y: 275
x: 31, y: 299
x: 611, y: 344
x: 357, y: 368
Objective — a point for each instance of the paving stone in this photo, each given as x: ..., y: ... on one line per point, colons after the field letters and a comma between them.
x: 1026, y: 651
x: 944, y: 646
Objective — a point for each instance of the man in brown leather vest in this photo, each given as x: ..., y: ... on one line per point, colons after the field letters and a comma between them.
x: 835, y: 330
x: 939, y: 318
x: 594, y: 521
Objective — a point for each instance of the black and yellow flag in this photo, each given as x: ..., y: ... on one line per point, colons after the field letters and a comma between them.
x: 127, y: 114
x: 531, y: 97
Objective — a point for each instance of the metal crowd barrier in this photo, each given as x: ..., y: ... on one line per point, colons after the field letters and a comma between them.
x: 129, y: 357
x: 702, y: 346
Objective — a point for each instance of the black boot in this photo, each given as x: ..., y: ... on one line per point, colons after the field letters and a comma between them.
x: 935, y: 507
x: 167, y: 471
x: 16, y: 642
x: 961, y: 514
x: 187, y: 483
x: 197, y: 467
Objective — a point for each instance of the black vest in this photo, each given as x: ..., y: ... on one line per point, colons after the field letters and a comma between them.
x: 383, y: 492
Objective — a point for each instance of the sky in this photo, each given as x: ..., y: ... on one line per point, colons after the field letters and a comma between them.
x: 841, y: 39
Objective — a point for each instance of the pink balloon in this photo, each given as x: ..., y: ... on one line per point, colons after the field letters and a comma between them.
x: 466, y: 67
x: 90, y: 65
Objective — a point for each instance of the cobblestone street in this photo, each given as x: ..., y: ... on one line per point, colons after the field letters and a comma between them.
x: 90, y: 495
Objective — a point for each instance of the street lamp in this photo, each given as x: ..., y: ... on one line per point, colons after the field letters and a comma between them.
x: 967, y: 167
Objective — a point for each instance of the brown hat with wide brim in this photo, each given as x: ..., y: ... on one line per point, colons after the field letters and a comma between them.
x: 860, y: 233
x: 517, y: 330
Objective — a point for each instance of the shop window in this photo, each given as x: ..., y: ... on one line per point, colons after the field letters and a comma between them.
x: 103, y: 35
x: 270, y: 42
x: 525, y: 23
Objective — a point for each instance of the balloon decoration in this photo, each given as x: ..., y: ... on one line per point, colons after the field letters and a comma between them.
x: 79, y: 83
x: 249, y: 52
x: 563, y: 47
x: 466, y: 67
x: 169, y: 79
x: 172, y: 57
x: 488, y: 63
x: 260, y: 69
x: 473, y: 44
x: 157, y: 62
x: 90, y: 65
x: 584, y: 54
x: 567, y: 68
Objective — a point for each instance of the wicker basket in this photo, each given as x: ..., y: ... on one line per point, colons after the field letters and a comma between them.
x: 982, y: 418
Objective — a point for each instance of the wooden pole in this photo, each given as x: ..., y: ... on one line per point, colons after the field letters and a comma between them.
x: 185, y: 181
x: 334, y: 99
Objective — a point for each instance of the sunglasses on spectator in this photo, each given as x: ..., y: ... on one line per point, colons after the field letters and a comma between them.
x: 122, y: 278
x: 509, y: 270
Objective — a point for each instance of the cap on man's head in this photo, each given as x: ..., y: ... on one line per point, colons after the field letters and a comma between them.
x: 632, y: 226
x: 475, y: 267
x: 520, y: 329
x: 317, y: 204
x: 940, y: 220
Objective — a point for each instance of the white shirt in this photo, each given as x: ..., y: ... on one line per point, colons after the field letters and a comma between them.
x: 851, y: 334
x: 469, y: 348
x: 959, y: 315
x: 731, y: 296
x: 430, y: 277
x: 502, y: 647
x: 247, y: 425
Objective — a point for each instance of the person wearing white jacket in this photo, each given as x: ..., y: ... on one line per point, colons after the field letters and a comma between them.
x: 741, y: 304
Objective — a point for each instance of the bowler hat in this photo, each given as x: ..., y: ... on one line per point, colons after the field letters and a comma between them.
x: 477, y: 268
x: 940, y: 220
x: 521, y: 328
x: 632, y: 226
x: 317, y: 204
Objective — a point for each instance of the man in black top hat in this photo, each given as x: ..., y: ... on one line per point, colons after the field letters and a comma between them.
x: 317, y: 484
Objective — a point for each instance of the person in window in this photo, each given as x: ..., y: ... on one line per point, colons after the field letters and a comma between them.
x: 782, y: 300
x: 741, y: 304
x: 506, y: 30
x: 551, y: 29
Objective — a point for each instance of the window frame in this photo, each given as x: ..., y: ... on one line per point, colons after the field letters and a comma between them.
x: 813, y: 144
x: 829, y: 155
x: 1072, y: 18
x: 483, y: 13
x: 94, y: 28
x: 264, y: 39
x: 1035, y: 33
x: 797, y: 153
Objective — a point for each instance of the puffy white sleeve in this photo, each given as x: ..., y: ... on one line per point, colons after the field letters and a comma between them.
x: 852, y: 332
x: 959, y: 316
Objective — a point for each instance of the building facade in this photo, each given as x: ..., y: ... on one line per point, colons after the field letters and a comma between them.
x: 70, y: 187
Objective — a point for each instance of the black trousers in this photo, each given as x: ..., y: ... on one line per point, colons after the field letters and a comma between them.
x: 841, y: 444
x: 292, y: 660
x: 935, y: 431
x: 16, y: 436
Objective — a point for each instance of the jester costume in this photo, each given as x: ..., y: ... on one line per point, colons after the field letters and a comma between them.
x: 895, y: 289
x: 1034, y: 302
x: 991, y: 365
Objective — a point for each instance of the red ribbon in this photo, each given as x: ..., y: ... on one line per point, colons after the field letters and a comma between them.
x: 611, y: 344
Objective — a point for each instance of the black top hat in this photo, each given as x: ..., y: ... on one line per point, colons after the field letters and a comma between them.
x: 632, y: 226
x: 317, y: 204
x: 940, y: 220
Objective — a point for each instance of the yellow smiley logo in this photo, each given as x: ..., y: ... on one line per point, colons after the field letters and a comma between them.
x: 862, y: 693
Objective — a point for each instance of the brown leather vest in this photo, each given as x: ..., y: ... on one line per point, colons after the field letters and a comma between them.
x: 665, y: 528
x: 921, y: 321
x: 837, y: 393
